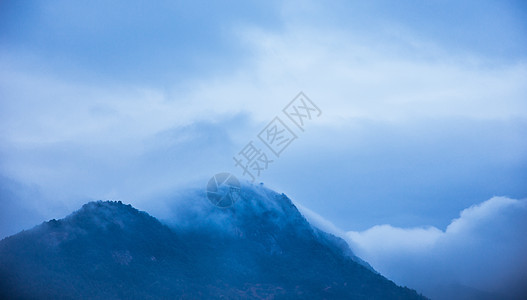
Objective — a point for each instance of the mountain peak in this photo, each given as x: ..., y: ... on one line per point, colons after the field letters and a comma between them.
x: 105, y: 212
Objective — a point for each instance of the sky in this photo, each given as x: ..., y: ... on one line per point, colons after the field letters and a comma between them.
x: 423, y: 115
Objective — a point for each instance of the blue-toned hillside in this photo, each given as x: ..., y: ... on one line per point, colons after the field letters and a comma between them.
x: 261, y: 247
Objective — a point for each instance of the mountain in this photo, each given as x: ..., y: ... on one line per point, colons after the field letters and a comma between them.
x: 261, y: 247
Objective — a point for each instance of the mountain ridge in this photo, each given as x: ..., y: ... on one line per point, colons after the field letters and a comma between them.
x: 110, y: 250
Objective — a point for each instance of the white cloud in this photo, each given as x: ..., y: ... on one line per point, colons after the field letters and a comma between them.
x: 51, y: 122
x: 348, y: 74
x: 482, y: 249
x: 353, y: 77
x: 386, y: 238
x: 319, y: 221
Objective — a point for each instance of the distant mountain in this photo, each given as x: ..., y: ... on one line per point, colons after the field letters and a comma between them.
x: 260, y: 248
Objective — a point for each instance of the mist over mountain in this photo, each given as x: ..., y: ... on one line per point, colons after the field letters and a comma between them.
x: 261, y: 247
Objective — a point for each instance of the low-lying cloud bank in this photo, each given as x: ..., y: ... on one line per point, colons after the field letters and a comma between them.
x: 484, y: 249
x: 480, y: 254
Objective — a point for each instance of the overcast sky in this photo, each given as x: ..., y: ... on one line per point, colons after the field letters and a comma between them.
x: 424, y: 112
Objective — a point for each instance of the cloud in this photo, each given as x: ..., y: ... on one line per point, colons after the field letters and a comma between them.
x: 387, y: 238
x: 483, y: 249
x: 405, y: 108
x: 319, y: 221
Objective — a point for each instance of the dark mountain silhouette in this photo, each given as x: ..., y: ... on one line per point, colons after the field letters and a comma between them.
x: 261, y: 247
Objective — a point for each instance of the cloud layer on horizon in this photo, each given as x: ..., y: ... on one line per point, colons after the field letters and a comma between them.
x: 482, y: 249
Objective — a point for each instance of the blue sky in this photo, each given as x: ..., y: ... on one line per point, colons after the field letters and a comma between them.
x: 424, y: 110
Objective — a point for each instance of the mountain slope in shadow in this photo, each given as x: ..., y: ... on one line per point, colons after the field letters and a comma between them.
x: 260, y: 248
